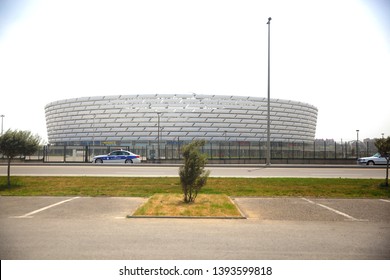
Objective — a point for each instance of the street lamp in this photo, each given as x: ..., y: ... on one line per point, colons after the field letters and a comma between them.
x: 268, y: 155
x: 93, y: 134
x: 2, y: 117
x: 357, y: 143
x: 158, y: 135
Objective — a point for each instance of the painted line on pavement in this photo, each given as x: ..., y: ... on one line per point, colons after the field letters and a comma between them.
x: 331, y: 209
x: 29, y: 215
x: 384, y: 200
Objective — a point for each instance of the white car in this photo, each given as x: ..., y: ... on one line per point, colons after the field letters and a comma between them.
x: 372, y: 160
x: 119, y: 156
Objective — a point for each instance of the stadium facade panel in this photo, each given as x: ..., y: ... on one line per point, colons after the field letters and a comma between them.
x: 184, y: 117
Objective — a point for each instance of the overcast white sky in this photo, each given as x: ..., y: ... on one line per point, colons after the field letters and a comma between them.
x: 333, y: 54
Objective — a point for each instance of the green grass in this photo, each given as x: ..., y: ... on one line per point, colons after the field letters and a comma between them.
x: 145, y: 187
x: 205, y: 205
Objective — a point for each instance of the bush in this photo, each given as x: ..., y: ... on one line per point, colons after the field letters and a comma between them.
x: 193, y: 176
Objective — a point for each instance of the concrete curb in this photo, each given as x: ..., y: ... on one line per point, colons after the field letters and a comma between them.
x: 186, y: 217
x: 238, y: 208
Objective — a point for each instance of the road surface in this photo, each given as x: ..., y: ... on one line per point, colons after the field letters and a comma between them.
x: 172, y: 171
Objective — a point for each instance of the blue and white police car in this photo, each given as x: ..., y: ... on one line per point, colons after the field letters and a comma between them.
x: 119, y: 156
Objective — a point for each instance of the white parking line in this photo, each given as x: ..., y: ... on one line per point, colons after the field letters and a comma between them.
x: 384, y: 200
x: 331, y: 209
x: 29, y: 215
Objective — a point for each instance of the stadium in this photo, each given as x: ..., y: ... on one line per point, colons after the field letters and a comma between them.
x: 128, y: 119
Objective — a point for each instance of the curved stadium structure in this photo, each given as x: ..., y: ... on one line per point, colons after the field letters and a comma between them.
x: 176, y: 117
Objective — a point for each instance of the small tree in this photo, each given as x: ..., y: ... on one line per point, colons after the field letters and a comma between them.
x: 17, y: 143
x: 193, y: 176
x: 383, y: 146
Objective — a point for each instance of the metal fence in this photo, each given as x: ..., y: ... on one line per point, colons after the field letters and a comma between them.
x: 216, y: 151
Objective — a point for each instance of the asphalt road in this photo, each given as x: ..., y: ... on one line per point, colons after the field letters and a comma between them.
x: 216, y: 171
x: 276, y: 228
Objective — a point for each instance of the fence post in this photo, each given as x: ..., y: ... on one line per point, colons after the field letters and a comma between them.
x: 44, y: 153
x: 259, y: 149
x: 324, y: 149
x: 86, y: 153
x: 292, y: 149
x: 178, y: 143
x: 314, y: 149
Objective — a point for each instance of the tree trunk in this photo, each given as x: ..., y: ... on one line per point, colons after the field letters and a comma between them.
x: 387, y: 173
x: 9, y: 173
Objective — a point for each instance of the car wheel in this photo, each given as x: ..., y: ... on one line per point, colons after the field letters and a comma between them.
x: 128, y: 161
x: 370, y: 163
x: 99, y: 160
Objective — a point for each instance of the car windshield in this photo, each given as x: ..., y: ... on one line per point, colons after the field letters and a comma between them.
x: 377, y: 155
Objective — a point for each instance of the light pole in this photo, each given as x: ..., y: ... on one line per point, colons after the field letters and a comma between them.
x: 2, y: 117
x: 268, y: 155
x: 158, y: 135
x: 93, y: 135
x: 357, y: 143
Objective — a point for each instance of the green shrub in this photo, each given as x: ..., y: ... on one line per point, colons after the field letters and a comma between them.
x: 193, y: 176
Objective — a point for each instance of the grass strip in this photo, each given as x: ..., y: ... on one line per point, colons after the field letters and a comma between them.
x: 146, y: 187
x: 172, y: 205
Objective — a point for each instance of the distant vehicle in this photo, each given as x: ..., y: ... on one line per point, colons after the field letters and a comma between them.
x: 372, y: 160
x: 119, y: 156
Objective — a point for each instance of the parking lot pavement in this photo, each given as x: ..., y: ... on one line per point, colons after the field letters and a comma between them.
x: 283, y: 209
x: 312, y: 209
x: 68, y: 207
x: 276, y: 228
x: 287, y: 209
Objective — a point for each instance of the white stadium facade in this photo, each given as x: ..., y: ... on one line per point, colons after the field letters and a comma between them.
x: 126, y: 119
